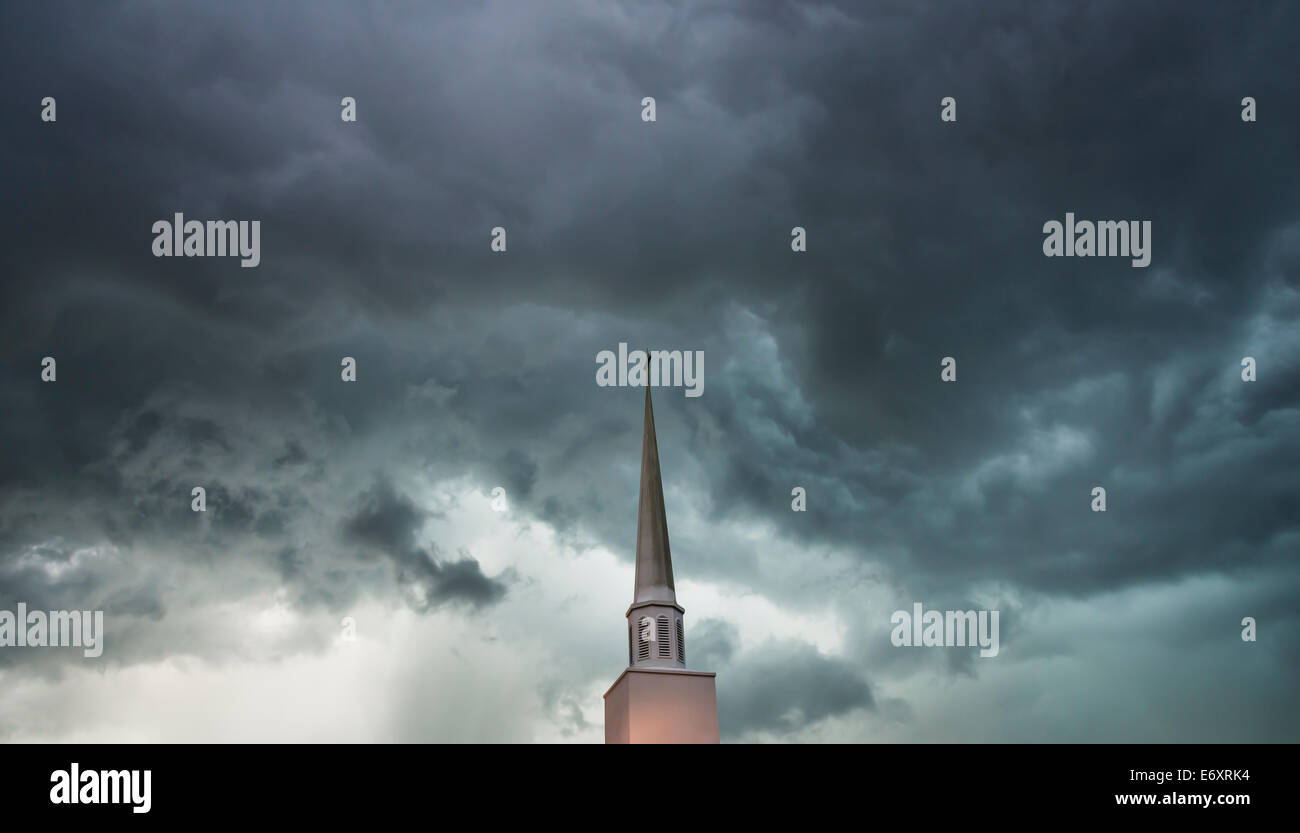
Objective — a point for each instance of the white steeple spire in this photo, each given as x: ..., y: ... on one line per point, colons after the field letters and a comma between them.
x: 656, y: 632
x: 654, y: 562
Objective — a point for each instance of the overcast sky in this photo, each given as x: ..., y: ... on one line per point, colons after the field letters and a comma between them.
x: 476, y: 369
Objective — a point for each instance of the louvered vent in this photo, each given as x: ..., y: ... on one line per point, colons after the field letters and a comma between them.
x: 681, y: 643
x: 643, y: 639
x: 665, y: 646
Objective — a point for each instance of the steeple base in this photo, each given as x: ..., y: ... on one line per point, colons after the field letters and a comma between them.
x: 662, y: 705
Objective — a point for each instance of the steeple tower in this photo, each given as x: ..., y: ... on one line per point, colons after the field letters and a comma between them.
x: 656, y: 700
x: 656, y: 637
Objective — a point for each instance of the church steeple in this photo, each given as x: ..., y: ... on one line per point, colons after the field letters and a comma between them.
x: 654, y: 562
x: 655, y: 699
x: 656, y: 633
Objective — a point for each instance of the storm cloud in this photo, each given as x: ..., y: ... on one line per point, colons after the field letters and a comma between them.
x: 476, y: 369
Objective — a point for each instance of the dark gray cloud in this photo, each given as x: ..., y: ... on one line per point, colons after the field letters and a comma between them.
x: 785, y: 687
x: 821, y: 368
x: 388, y: 522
